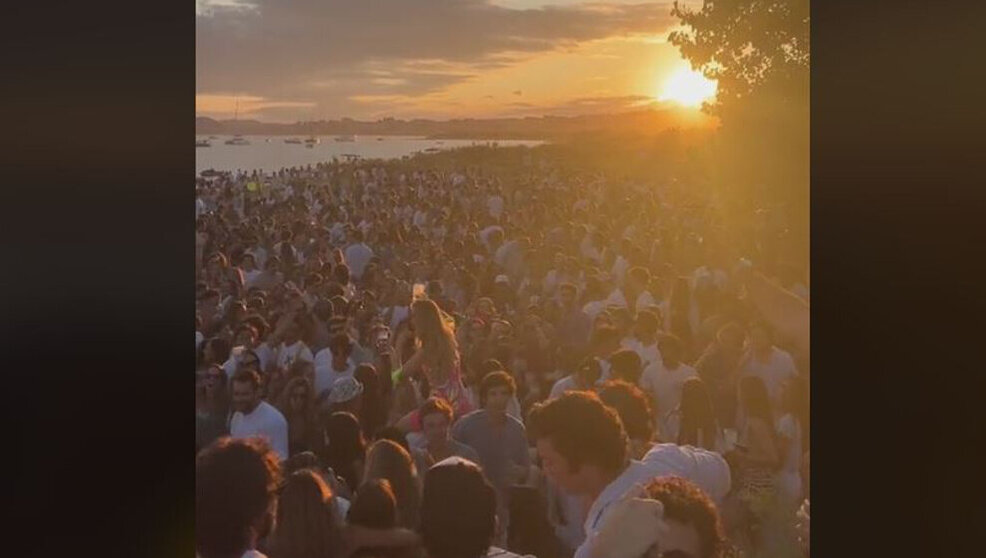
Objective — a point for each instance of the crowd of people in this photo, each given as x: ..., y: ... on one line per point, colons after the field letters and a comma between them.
x: 396, y: 359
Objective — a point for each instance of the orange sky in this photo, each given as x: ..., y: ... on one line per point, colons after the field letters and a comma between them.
x: 519, y: 59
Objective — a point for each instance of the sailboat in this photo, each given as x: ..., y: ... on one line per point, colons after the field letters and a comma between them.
x: 237, y: 139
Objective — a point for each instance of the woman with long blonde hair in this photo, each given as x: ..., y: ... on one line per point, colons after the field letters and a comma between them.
x: 436, y: 359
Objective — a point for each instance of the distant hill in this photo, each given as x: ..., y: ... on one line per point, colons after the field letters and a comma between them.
x: 543, y: 127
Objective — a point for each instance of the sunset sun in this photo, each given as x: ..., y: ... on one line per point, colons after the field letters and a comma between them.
x: 687, y: 87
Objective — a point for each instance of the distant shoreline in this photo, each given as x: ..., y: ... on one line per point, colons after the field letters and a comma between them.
x: 414, y: 136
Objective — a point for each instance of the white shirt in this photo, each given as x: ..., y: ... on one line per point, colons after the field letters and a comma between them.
x: 666, y: 386
x: 325, y: 375
x: 495, y: 205
x: 778, y: 368
x: 619, y: 269
x: 636, y: 473
x: 357, y: 257
x: 250, y: 276
x: 788, y: 478
x: 265, y: 421
x: 288, y: 354
x: 617, y: 298
x: 561, y: 386
x: 592, y: 309
x: 649, y: 354
x: 705, y: 468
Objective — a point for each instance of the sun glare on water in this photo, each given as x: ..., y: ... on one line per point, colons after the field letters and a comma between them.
x: 687, y: 87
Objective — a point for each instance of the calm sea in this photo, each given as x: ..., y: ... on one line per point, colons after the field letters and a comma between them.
x: 270, y: 153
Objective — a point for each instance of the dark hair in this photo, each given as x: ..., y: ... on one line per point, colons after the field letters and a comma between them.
x: 697, y: 415
x: 306, y: 519
x: 458, y: 511
x: 246, y: 327
x: 435, y: 405
x: 345, y: 446
x: 375, y: 505
x: 686, y: 503
x: 648, y: 319
x: 626, y: 365
x: 603, y: 334
x: 340, y: 306
x: 582, y: 429
x: 632, y: 405
x: 247, y: 375
x: 495, y: 379
x: 235, y: 487
x: 220, y: 347
x: 671, y: 344
x: 323, y: 310
x: 341, y: 344
x: 590, y: 366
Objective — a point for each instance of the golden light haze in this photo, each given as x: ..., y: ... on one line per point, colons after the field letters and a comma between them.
x: 550, y: 72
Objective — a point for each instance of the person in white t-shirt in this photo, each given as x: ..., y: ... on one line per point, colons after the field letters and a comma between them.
x: 334, y: 362
x: 250, y: 270
x: 584, y: 378
x: 235, y: 497
x: 245, y: 347
x: 292, y: 348
x: 583, y: 450
x: 495, y: 205
x: 358, y: 255
x: 644, y: 339
x: 255, y: 417
x: 767, y: 362
x: 635, y: 290
x: 664, y: 381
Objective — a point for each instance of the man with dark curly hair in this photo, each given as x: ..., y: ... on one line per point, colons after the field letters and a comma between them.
x: 583, y: 449
x: 694, y: 529
x: 235, y: 493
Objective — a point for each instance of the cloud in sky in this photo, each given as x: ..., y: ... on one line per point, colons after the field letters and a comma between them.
x: 325, y: 58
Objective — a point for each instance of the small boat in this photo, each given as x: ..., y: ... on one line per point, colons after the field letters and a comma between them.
x: 312, y: 141
x: 347, y: 137
x: 432, y: 150
x: 293, y: 140
x: 202, y: 143
x: 237, y: 139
